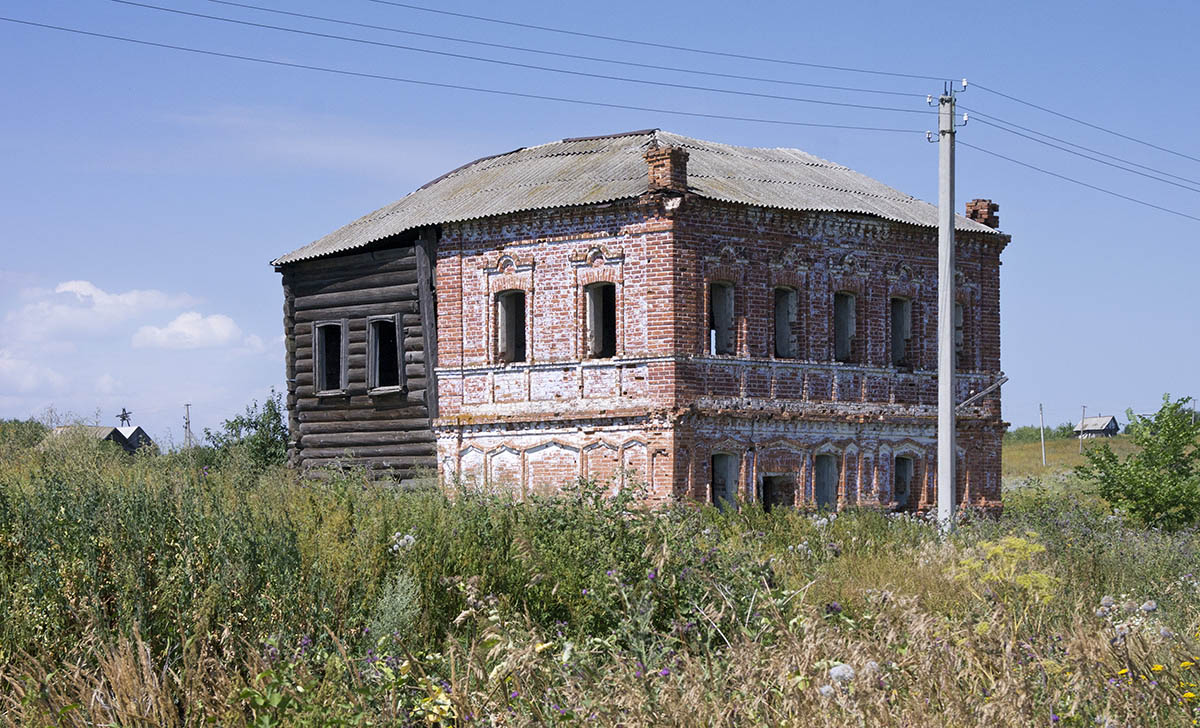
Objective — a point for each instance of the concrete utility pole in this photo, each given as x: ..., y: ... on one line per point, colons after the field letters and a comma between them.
x: 1042, y: 431
x: 946, y: 454
x: 1082, y: 417
x: 187, y: 426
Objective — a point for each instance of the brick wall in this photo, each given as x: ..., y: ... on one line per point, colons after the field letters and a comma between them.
x: 657, y: 411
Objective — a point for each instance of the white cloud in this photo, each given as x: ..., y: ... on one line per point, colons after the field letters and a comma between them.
x: 190, y: 330
x: 22, y: 375
x: 82, y: 307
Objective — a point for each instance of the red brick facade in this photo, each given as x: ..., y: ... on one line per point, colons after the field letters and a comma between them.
x: 661, y: 407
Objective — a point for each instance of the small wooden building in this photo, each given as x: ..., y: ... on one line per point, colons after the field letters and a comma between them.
x: 1102, y: 426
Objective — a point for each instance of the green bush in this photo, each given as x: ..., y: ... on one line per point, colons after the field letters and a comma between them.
x: 1159, y: 485
x: 259, y: 435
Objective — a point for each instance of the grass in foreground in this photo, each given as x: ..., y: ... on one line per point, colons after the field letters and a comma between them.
x: 157, y: 592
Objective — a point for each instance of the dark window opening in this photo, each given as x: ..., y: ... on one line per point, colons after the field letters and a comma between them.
x: 958, y: 332
x: 901, y: 331
x: 825, y: 485
x: 602, y: 320
x: 510, y: 326
x: 329, y: 362
x: 776, y: 492
x: 386, y: 357
x: 902, y: 482
x: 843, y: 326
x: 723, y: 492
x: 785, y: 316
x: 720, y: 318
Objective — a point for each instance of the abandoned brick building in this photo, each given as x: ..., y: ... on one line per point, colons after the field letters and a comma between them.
x: 714, y: 322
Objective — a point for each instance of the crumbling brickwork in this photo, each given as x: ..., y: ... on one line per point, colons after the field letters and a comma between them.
x: 659, y: 409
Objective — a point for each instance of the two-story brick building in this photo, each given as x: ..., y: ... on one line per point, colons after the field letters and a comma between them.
x: 711, y: 321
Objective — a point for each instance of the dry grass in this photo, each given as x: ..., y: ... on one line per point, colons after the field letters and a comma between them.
x: 1024, y: 459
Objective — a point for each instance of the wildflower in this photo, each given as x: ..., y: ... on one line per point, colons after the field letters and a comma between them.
x: 514, y: 694
x: 1157, y: 668
x: 542, y: 647
x: 1189, y: 695
x: 826, y: 691
x: 652, y: 574
x: 1123, y: 671
x: 841, y: 673
x: 833, y: 608
x: 1186, y: 664
x: 1149, y: 606
x: 664, y: 672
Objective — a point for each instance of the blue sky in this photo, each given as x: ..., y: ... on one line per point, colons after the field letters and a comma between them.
x: 145, y: 190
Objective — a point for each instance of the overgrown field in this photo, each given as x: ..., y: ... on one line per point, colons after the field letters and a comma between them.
x: 158, y: 591
x: 1022, y: 459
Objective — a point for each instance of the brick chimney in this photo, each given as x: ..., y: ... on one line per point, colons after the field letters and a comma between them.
x: 984, y: 211
x: 668, y: 168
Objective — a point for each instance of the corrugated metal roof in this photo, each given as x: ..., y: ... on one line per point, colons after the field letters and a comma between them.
x: 588, y: 170
x: 1088, y: 424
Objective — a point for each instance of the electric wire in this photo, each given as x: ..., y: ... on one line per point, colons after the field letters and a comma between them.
x: 1087, y: 156
x: 980, y: 114
x: 515, y: 64
x: 1076, y: 181
x: 573, y: 56
x: 1080, y: 121
x: 439, y: 84
x: 651, y: 44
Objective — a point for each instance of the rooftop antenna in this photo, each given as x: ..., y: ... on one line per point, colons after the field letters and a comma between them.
x: 125, y: 417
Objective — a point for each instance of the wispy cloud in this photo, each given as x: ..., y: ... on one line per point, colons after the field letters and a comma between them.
x: 81, y: 307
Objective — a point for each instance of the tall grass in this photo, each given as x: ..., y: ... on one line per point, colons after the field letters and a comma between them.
x: 164, y: 591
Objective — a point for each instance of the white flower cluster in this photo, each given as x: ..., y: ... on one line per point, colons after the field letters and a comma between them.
x: 802, y: 548
x: 402, y: 541
x: 1126, y: 615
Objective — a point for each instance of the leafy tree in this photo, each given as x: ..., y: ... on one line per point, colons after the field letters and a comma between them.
x: 260, y: 433
x: 1159, y: 484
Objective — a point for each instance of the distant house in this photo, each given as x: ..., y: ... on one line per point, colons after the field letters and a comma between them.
x: 1105, y: 426
x: 130, y: 439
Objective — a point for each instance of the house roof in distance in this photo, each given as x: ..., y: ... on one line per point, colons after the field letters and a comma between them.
x: 1088, y: 424
x: 589, y: 170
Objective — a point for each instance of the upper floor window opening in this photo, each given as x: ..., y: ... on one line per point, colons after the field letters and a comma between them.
x: 843, y: 326
x: 720, y: 318
x: 329, y: 356
x: 510, y: 326
x: 785, y: 318
x: 601, y: 320
x: 385, y: 353
x: 901, y: 320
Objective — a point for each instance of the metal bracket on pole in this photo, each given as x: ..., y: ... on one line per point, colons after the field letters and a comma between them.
x: 982, y: 393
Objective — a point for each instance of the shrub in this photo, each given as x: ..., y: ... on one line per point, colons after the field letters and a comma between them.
x: 260, y: 434
x: 1160, y: 484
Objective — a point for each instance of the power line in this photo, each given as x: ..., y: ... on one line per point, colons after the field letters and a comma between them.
x: 1130, y: 162
x: 574, y: 56
x: 515, y: 64
x: 1074, y: 119
x: 1087, y: 156
x: 650, y: 44
x: 438, y: 84
x: 1078, y: 182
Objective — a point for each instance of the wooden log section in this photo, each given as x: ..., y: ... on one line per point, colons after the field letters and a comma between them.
x: 384, y: 431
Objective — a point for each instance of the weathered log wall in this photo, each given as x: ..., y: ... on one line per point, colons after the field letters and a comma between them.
x: 379, y: 430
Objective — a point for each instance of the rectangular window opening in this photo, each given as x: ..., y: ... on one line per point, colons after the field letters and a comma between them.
x: 720, y: 318
x: 776, y: 492
x: 785, y: 317
x: 843, y: 326
x: 902, y: 484
x: 602, y: 320
x: 329, y: 366
x: 385, y: 353
x: 723, y: 492
x: 901, y: 331
x: 825, y: 485
x: 958, y: 331
x: 510, y: 326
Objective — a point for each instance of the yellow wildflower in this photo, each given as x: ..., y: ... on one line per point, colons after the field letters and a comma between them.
x: 1189, y: 695
x: 542, y: 647
x: 1123, y: 671
x: 1157, y: 668
x: 1186, y: 663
